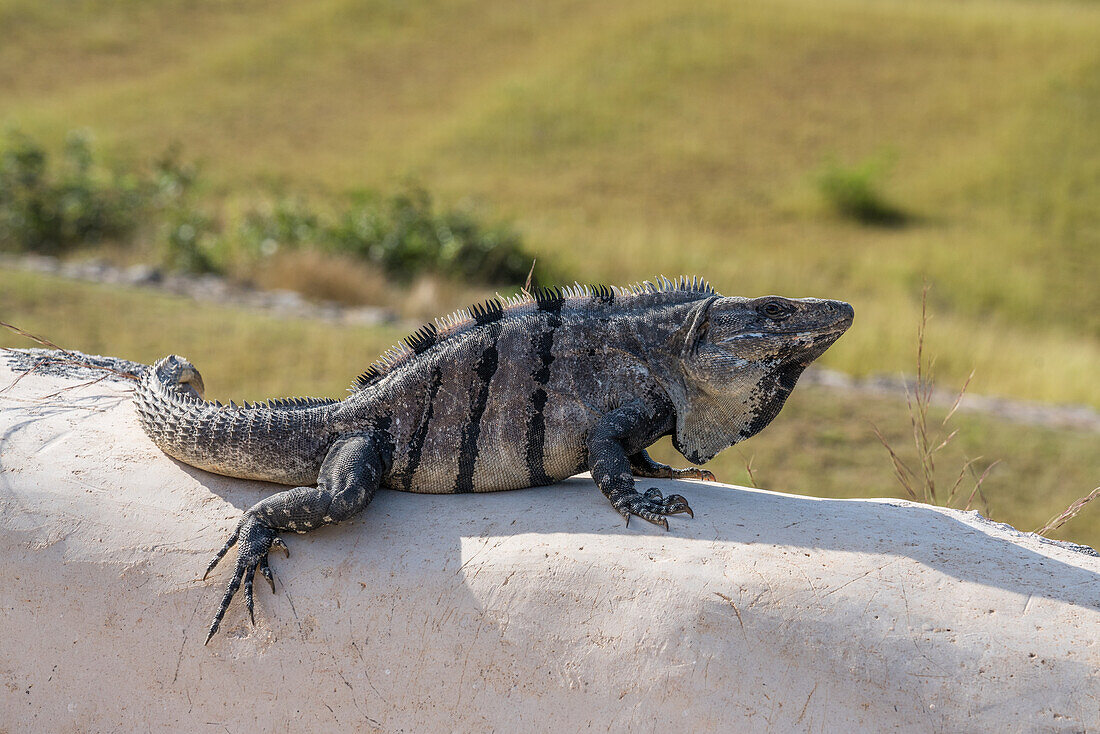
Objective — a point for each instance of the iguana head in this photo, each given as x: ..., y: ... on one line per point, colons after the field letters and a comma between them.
x: 740, y: 359
x: 178, y: 371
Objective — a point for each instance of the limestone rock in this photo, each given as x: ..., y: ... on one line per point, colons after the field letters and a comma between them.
x: 531, y: 610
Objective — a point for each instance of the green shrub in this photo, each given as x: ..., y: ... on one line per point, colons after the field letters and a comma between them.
x: 854, y: 192
x: 173, y: 180
x: 52, y: 209
x: 403, y: 234
x: 398, y: 233
x: 284, y: 223
x: 187, y: 236
x: 473, y: 252
x: 78, y: 201
x: 361, y: 228
x: 190, y: 243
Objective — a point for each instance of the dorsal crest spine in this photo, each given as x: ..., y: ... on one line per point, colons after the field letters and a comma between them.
x: 544, y: 299
x: 423, y: 338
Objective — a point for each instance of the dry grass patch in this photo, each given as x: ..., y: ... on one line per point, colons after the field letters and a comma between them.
x: 323, y: 277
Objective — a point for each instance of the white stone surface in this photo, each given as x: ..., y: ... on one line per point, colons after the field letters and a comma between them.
x: 532, y: 610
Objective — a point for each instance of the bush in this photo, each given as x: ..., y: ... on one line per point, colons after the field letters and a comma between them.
x: 494, y: 254
x: 285, y: 223
x: 854, y: 192
x: 403, y: 234
x: 51, y: 210
x: 396, y: 233
x: 190, y: 243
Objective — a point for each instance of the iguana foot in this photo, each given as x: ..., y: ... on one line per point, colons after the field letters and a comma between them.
x: 347, y: 481
x: 642, y: 465
x: 254, y: 541
x: 651, y: 506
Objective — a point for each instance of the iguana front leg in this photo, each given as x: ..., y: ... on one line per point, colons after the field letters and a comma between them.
x: 611, y: 467
x: 346, y: 484
x: 643, y: 465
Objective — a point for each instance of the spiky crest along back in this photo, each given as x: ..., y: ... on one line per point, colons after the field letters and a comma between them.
x: 579, y: 295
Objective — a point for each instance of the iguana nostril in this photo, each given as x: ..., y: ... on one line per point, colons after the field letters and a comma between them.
x: 845, y: 311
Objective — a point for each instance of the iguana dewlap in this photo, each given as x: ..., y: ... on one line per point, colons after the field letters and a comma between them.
x: 515, y: 393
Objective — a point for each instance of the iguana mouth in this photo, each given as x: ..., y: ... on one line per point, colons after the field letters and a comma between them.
x: 815, y: 333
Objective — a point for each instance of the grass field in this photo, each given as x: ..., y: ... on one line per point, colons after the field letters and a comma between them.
x: 627, y: 139
x: 822, y: 444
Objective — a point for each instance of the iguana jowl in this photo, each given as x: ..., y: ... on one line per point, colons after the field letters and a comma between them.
x: 515, y: 393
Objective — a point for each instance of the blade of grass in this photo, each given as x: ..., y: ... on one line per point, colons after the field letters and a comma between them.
x: 958, y: 480
x: 958, y: 399
x: 901, y: 470
x: 978, y: 488
x: 748, y: 468
x: 1069, y: 513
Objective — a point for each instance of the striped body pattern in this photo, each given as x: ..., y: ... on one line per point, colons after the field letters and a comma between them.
x: 509, y: 394
x: 515, y: 392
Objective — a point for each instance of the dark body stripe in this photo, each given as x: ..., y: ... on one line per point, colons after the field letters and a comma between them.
x: 467, y: 455
x: 382, y: 438
x: 543, y: 346
x: 416, y: 442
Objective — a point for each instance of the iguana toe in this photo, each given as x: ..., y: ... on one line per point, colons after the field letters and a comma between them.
x: 265, y: 569
x: 702, y: 475
x: 675, y: 504
x: 249, y: 575
x: 221, y: 554
x: 255, y: 541
x: 652, y: 506
x: 279, y: 545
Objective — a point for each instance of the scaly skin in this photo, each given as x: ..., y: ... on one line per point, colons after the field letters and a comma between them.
x: 505, y: 395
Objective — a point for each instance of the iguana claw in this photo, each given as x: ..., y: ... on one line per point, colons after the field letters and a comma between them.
x: 652, y: 506
x: 642, y: 465
x: 266, y: 571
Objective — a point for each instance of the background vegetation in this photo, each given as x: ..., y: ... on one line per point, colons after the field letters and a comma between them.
x: 51, y: 207
x: 850, y: 148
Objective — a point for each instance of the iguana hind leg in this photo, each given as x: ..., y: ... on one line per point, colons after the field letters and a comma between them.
x: 348, y: 479
x: 611, y: 468
x: 643, y: 465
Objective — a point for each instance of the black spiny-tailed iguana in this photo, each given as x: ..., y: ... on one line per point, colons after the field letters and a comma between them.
x: 514, y: 393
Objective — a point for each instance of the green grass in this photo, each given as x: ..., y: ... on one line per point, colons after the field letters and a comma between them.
x: 821, y: 444
x: 633, y: 138
x: 240, y: 353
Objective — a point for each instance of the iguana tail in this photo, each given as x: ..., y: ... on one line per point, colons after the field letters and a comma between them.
x: 281, y: 441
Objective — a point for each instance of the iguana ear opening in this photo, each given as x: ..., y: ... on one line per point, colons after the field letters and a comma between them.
x: 694, y: 328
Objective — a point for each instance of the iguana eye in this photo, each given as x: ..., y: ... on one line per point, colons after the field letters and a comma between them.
x: 773, y: 309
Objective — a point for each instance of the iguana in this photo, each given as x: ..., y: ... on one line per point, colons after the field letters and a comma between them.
x: 515, y: 392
